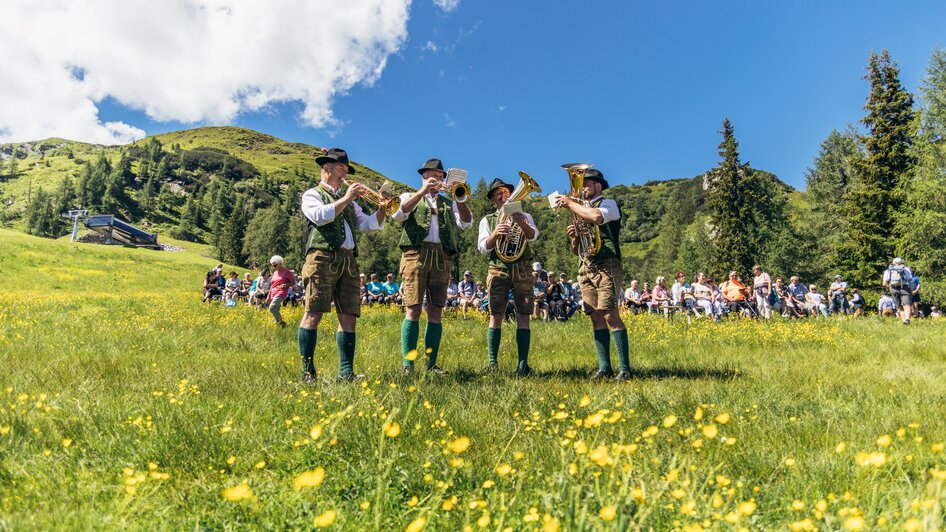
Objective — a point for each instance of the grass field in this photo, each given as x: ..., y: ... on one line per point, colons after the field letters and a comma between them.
x: 124, y: 402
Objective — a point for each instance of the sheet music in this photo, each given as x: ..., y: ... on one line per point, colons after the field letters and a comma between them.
x: 456, y: 175
x: 552, y: 197
x: 510, y: 207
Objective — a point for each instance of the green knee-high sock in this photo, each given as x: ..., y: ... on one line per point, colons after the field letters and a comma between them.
x: 307, y: 338
x: 620, y: 345
x: 523, y: 337
x: 432, y: 335
x: 603, y: 347
x: 346, y: 352
x: 493, y: 336
x: 410, y: 330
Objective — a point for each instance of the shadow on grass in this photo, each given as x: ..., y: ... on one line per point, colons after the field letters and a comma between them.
x: 584, y: 373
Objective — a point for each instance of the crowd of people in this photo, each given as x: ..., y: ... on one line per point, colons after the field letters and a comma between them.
x: 702, y: 296
x: 272, y: 287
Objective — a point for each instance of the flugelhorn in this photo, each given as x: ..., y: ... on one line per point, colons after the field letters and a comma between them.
x: 511, y: 246
x: 589, y: 236
x: 459, y: 192
x: 390, y: 204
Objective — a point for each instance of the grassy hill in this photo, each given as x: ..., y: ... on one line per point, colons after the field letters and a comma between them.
x: 207, y: 153
x: 126, y: 403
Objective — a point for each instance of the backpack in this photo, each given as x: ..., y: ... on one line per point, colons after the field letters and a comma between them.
x: 898, y: 277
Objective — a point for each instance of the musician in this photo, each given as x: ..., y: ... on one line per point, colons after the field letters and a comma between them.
x: 600, y: 275
x: 429, y: 239
x: 505, y: 276
x: 330, y: 274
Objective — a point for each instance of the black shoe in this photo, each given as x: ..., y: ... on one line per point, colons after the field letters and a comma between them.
x: 351, y: 377
x: 623, y: 376
x: 523, y: 371
x: 437, y: 370
x: 281, y: 324
x: 602, y: 375
x: 407, y: 369
x: 492, y: 367
x: 308, y: 379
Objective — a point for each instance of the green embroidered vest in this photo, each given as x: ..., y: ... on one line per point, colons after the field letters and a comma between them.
x: 494, y: 259
x: 331, y: 236
x: 417, y: 225
x: 610, y: 243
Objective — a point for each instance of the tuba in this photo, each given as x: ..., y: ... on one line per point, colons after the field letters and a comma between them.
x: 589, y: 236
x: 390, y: 204
x: 511, y: 246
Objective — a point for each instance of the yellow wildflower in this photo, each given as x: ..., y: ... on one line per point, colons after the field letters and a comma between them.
x: 391, y: 430
x: 240, y: 492
x: 460, y: 444
x: 416, y: 525
x: 309, y: 479
x: 325, y: 519
x: 608, y: 513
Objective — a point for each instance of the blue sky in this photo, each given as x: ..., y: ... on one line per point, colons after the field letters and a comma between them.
x: 638, y: 89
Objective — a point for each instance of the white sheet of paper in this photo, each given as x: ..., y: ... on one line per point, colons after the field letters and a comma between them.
x: 508, y: 208
x: 456, y: 175
x: 552, y: 197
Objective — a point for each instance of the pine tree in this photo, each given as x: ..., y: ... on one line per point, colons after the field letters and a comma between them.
x: 187, y: 226
x: 922, y: 223
x: 230, y: 244
x: 876, y: 196
x: 41, y: 216
x: 730, y: 210
x: 13, y: 167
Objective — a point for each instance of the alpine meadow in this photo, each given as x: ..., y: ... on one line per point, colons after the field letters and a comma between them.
x: 754, y: 218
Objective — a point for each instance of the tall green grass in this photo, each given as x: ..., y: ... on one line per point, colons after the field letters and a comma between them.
x: 125, y: 402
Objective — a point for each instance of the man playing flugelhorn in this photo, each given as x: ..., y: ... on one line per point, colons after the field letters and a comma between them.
x: 330, y: 273
x: 429, y: 242
x: 600, y: 275
x: 504, y: 275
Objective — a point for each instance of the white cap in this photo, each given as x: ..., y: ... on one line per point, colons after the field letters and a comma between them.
x: 898, y: 261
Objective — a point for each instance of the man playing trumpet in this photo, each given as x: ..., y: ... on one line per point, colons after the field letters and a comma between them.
x: 429, y: 241
x: 505, y: 276
x: 330, y: 273
x: 600, y: 275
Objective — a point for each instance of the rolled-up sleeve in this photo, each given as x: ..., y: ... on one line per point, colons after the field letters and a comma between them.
x: 483, y: 236
x: 315, y: 209
x: 400, y: 215
x: 609, y: 210
x: 456, y: 216
x: 366, y: 222
x: 531, y: 223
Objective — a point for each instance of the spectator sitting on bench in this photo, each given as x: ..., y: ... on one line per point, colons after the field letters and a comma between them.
x: 211, y: 288
x: 231, y: 288
x: 392, y: 291
x: 262, y: 289
x: 374, y: 291
x: 245, y: 285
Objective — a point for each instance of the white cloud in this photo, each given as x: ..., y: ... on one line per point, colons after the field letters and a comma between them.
x: 194, y: 61
x: 449, y: 122
x: 447, y: 5
x: 430, y: 46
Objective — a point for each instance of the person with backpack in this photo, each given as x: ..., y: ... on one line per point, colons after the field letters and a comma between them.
x: 898, y: 278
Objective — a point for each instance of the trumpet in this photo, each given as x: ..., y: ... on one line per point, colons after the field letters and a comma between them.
x: 390, y: 204
x: 589, y: 235
x: 460, y: 192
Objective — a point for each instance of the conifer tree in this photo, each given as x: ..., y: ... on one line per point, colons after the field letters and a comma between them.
x: 876, y: 196
x: 730, y: 210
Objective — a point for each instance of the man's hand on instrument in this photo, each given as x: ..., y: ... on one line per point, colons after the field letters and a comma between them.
x: 431, y: 185
x: 520, y: 219
x: 502, y: 229
x: 572, y: 232
x: 354, y: 191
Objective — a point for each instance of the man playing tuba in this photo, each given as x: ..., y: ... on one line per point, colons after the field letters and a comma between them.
x: 429, y: 242
x: 600, y: 275
x: 505, y: 275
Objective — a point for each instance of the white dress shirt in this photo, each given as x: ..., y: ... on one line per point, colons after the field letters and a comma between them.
x: 485, y: 232
x: 608, y: 208
x: 320, y: 213
x: 433, y: 234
